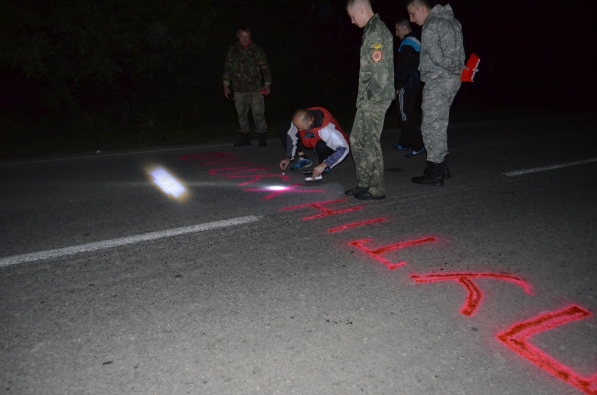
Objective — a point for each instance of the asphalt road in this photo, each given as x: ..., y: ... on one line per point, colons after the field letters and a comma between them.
x: 487, y: 285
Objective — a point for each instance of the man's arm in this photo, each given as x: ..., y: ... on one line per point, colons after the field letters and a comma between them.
x: 228, y: 67
x: 336, y: 141
x: 291, y: 141
x: 377, y: 73
x: 228, y: 70
x: 442, y: 46
x: 265, y: 70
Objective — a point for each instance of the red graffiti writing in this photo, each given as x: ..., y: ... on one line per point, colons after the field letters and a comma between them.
x: 516, y: 338
x: 377, y: 252
x: 325, y: 212
x: 475, y: 296
x: 356, y: 225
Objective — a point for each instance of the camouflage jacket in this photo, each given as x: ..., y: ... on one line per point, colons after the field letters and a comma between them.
x: 442, y: 48
x: 376, y: 76
x: 244, y: 66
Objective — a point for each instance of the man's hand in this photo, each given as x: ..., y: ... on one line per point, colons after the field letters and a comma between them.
x: 226, y: 92
x: 284, y: 163
x: 267, y: 88
x: 319, y: 169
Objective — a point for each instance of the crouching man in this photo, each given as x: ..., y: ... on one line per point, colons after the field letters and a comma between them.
x: 316, y: 128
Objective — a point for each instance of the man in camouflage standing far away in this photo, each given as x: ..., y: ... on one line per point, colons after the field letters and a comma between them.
x: 245, y: 63
x: 376, y: 92
x: 441, y: 63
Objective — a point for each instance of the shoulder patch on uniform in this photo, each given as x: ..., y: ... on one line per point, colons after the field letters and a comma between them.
x: 377, y: 56
x: 377, y: 46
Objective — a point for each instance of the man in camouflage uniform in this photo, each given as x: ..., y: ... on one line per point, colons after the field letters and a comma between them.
x: 375, y: 94
x: 244, y: 66
x: 441, y: 63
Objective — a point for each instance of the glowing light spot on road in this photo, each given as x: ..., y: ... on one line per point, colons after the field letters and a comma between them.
x: 277, y: 188
x: 290, y: 188
x: 167, y: 183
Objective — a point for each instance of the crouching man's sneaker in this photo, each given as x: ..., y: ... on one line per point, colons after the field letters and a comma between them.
x: 414, y: 153
x: 302, y: 163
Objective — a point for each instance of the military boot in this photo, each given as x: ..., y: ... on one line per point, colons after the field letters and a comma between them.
x: 432, y: 175
x: 262, y: 141
x: 446, y: 170
x: 244, y: 140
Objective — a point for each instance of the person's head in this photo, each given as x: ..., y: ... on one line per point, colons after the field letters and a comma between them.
x: 302, y: 119
x: 403, y: 28
x: 360, y: 12
x: 418, y: 10
x: 244, y: 36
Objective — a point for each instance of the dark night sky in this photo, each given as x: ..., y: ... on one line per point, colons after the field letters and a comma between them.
x: 533, y: 53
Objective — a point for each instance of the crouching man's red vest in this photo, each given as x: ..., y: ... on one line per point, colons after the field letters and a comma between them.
x: 311, y: 137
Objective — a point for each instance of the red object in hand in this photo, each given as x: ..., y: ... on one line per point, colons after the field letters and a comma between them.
x: 263, y: 92
x: 472, y: 64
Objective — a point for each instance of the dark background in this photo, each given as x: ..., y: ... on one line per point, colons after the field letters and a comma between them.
x: 92, y: 74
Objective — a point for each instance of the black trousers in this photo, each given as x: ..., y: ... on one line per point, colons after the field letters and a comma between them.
x: 406, y: 100
x: 322, y: 150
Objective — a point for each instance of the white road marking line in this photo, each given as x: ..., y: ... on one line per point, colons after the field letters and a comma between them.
x: 545, y: 168
x: 100, y: 245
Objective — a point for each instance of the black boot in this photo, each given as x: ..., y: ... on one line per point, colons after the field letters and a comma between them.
x: 445, y: 169
x: 432, y: 175
x: 262, y: 141
x: 244, y: 140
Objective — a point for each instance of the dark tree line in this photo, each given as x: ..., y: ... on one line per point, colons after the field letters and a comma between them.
x: 158, y: 63
x: 67, y: 44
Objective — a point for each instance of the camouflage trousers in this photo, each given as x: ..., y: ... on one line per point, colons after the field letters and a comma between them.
x: 250, y: 101
x: 365, y: 145
x: 437, y: 99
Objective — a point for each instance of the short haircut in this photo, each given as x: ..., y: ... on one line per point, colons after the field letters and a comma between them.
x: 245, y: 29
x: 352, y: 3
x: 404, y: 23
x: 302, y: 115
x: 417, y: 3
